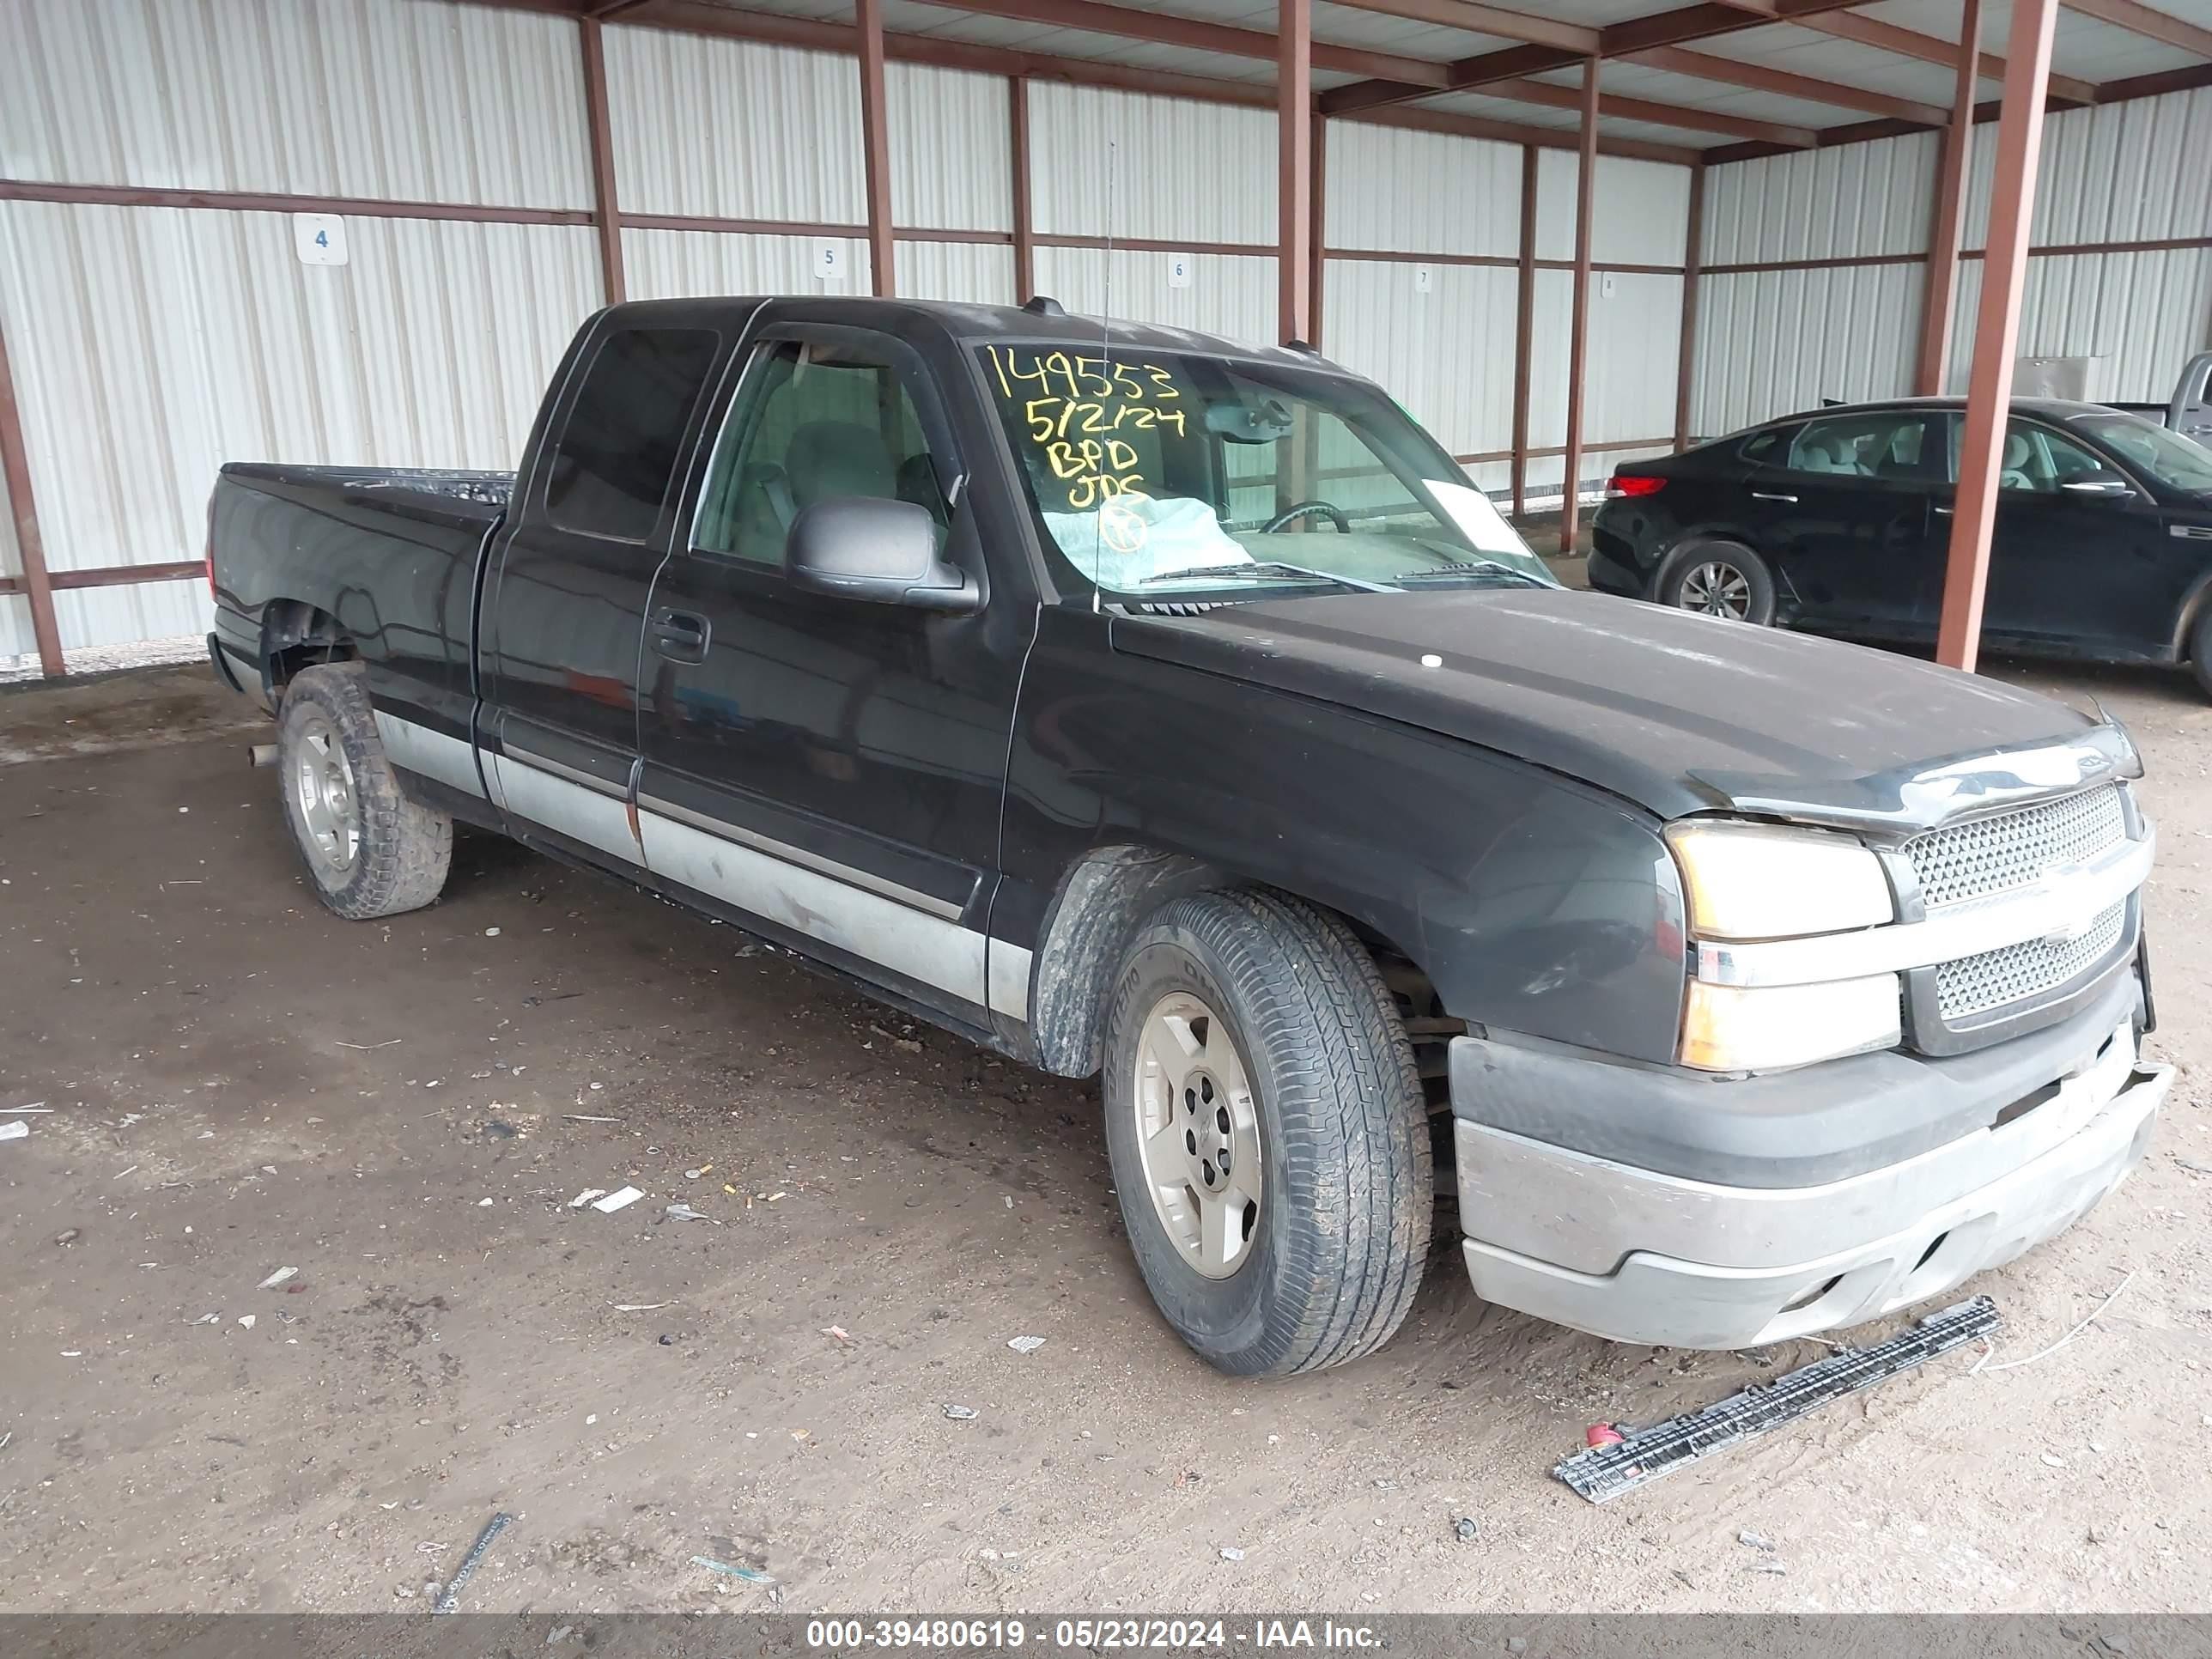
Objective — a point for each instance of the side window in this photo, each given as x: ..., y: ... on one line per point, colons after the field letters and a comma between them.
x: 1765, y: 448
x: 1889, y: 444
x: 612, y: 464
x: 2039, y: 461
x: 811, y: 422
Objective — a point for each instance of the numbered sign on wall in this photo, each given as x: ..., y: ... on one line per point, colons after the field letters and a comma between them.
x: 1425, y: 278
x: 829, y: 262
x: 318, y: 238
x: 1179, y: 269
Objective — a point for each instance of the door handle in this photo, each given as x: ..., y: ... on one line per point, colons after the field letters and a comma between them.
x: 681, y: 635
x: 1767, y: 495
x: 1944, y: 510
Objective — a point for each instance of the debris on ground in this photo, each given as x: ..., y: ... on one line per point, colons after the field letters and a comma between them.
x: 640, y: 1307
x: 1602, y: 1434
x: 1230, y: 1552
x: 246, y: 1320
x: 960, y: 1414
x: 2053, y: 1460
x: 1465, y: 1530
x: 1604, y: 1471
x: 68, y: 1235
x: 451, y: 1601
x: 15, y: 1131
x: 730, y: 1570
x: 586, y: 1117
x: 587, y: 1196
x: 1026, y: 1344
x: 1768, y: 1564
x: 685, y: 1213
x: 1755, y: 1541
x: 622, y: 1198
x: 277, y: 1277
x: 693, y: 1175
x: 1982, y: 1366
x: 838, y: 1334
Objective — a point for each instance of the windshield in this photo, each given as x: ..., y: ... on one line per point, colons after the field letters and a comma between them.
x: 2177, y: 462
x: 1168, y: 473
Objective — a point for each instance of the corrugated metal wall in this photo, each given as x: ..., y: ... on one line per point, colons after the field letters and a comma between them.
x: 1770, y: 342
x: 149, y: 345
x: 1149, y: 168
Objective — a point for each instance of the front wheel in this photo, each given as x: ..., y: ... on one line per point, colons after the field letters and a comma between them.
x: 1718, y: 578
x: 2200, y: 651
x: 1267, y: 1133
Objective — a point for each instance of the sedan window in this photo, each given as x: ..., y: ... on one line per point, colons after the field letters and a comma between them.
x: 1885, y: 444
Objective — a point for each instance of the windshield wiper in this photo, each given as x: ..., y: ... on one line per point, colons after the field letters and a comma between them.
x: 1473, y: 567
x: 1265, y: 567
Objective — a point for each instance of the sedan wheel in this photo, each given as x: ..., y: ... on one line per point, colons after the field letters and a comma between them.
x: 1717, y: 588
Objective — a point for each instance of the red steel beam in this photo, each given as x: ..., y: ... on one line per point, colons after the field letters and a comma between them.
x: 1506, y: 25
x: 1932, y: 49
x: 1579, y: 336
x: 1729, y: 71
x: 2148, y: 22
x: 1554, y: 96
x: 1194, y: 34
x: 1017, y: 117
x: 1667, y: 29
x: 15, y: 468
x: 1950, y: 211
x: 1319, y: 250
x: 1294, y: 167
x: 1996, y: 336
x: 875, y: 146
x: 1693, y: 250
x: 606, y: 209
x: 1419, y: 119
x: 1524, y: 330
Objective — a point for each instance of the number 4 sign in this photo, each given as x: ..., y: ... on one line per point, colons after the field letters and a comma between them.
x: 318, y: 238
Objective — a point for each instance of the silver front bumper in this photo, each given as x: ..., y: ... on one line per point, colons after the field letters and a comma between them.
x: 1648, y: 1258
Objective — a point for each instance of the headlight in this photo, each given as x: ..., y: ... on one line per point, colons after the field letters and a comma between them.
x: 1748, y: 881
x: 1753, y: 881
x: 1726, y: 1028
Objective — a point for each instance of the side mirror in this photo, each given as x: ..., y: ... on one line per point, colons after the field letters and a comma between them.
x: 864, y: 547
x: 2109, y: 485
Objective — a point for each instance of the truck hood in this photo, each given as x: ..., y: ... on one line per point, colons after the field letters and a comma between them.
x: 1677, y: 713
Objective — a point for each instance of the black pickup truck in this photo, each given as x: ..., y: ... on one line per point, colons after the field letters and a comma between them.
x: 1136, y: 703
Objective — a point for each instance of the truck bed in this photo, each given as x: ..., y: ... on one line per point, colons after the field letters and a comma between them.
x: 388, y: 554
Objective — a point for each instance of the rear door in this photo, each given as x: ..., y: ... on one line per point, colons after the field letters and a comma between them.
x: 829, y: 766
x: 1845, y: 517
x: 564, y: 607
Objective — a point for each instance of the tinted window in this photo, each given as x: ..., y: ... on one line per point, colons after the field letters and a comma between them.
x: 2037, y: 460
x: 624, y: 438
x: 1765, y: 446
x: 811, y: 423
x: 1886, y: 443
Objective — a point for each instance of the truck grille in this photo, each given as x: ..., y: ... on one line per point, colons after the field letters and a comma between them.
x: 1974, y: 985
x: 2012, y: 849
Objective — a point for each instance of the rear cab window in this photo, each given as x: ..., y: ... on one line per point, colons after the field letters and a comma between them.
x: 622, y: 446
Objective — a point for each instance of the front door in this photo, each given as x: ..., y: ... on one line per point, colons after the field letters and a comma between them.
x: 829, y: 766
x: 564, y: 604
x: 2081, y: 559
x: 1844, y: 518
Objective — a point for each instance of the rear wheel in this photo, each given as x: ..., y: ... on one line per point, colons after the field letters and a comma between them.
x: 1718, y: 578
x: 369, y: 850
x: 2200, y: 651
x: 1269, y: 1140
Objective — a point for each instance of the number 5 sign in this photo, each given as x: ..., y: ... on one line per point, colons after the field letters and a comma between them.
x: 318, y: 238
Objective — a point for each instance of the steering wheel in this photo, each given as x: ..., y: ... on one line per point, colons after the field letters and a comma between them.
x: 1335, y: 517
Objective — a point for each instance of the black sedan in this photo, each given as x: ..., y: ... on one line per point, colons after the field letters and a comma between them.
x: 1839, y: 521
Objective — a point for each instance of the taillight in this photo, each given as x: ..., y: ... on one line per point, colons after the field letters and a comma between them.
x: 211, y: 547
x: 1623, y: 484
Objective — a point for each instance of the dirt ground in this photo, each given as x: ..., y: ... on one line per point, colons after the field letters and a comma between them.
x: 237, y: 1082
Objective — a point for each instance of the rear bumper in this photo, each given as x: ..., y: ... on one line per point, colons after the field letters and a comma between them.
x: 1641, y: 1256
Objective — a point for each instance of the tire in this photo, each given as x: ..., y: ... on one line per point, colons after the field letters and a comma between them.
x: 2200, y: 651
x: 369, y: 851
x: 1322, y: 1265
x: 1717, y: 578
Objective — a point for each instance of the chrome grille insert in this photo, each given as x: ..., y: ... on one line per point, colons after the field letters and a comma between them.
x: 1997, y: 854
x: 1974, y: 985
